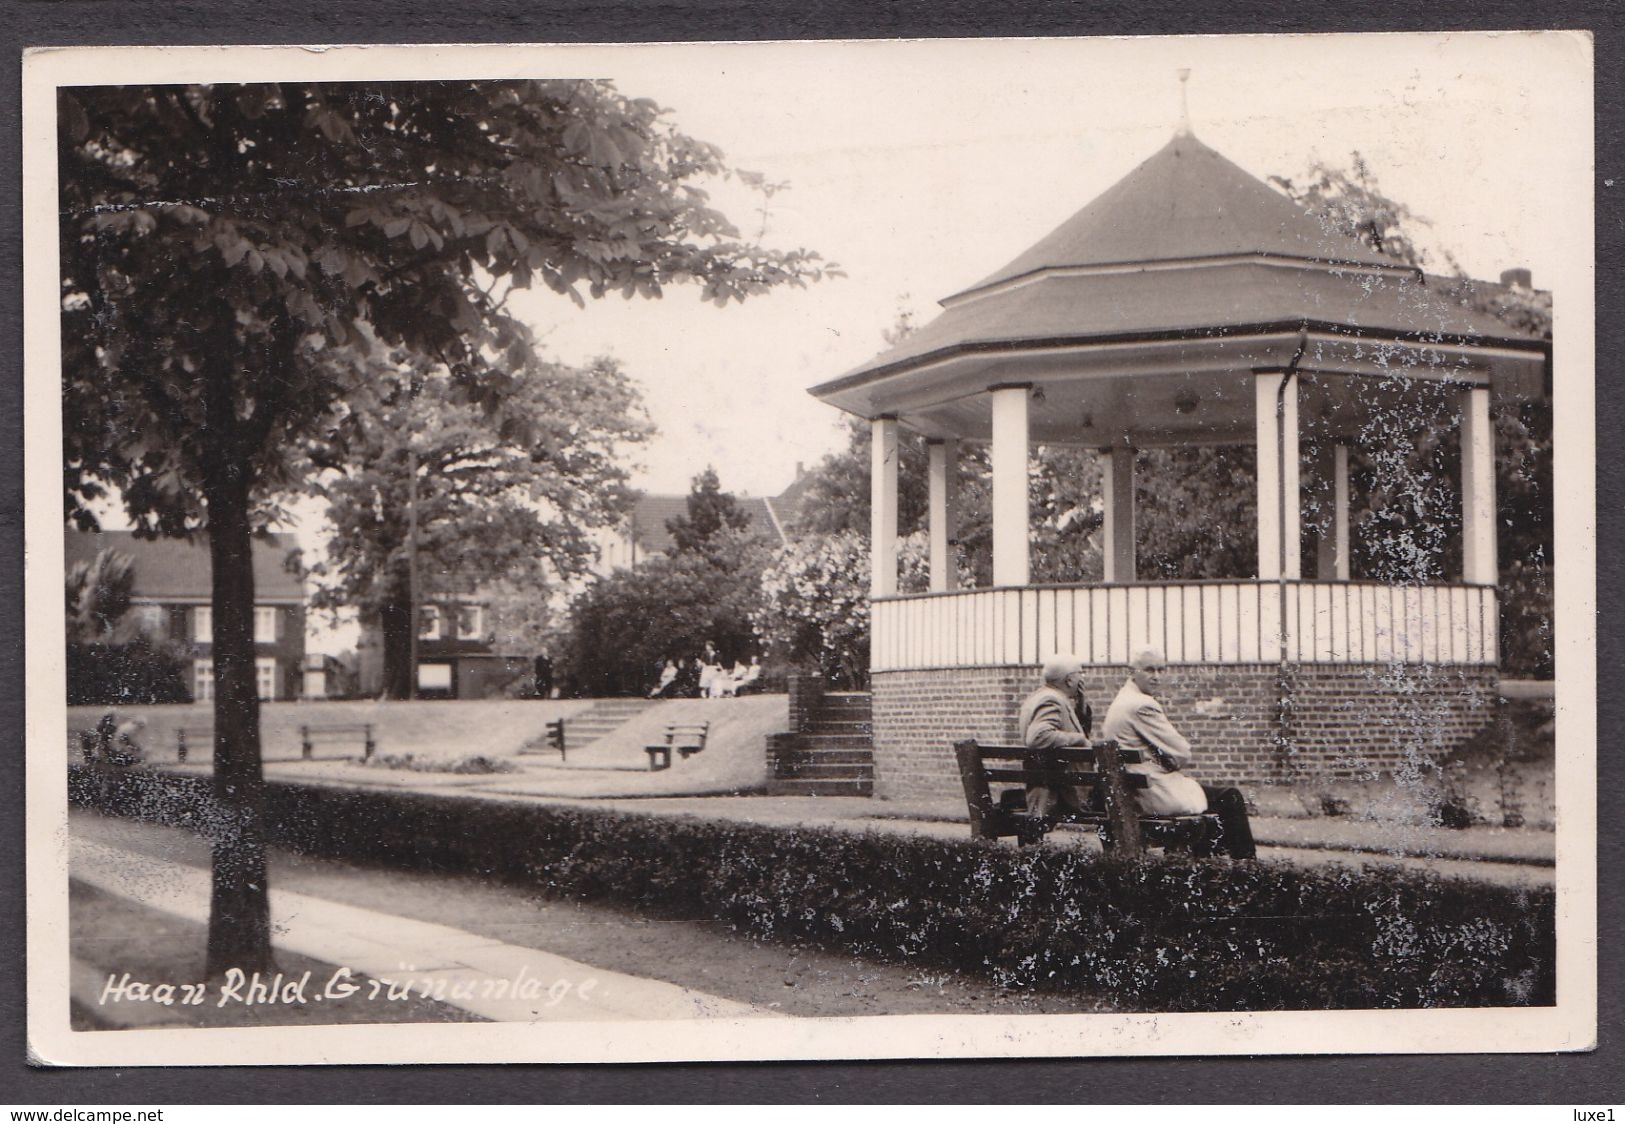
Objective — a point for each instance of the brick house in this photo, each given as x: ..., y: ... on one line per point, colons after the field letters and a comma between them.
x: 171, y: 596
x: 456, y: 656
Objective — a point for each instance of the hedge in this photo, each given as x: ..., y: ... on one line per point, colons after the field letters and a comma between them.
x: 1162, y: 934
x: 124, y: 674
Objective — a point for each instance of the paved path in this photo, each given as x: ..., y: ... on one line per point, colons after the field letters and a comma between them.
x: 498, y: 981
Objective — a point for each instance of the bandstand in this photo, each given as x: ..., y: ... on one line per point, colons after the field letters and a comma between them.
x: 1191, y: 304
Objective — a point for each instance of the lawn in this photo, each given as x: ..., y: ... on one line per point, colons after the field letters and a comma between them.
x: 440, y: 733
x: 438, y: 728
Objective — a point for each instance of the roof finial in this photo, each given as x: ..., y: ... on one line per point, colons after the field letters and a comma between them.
x: 1184, y: 129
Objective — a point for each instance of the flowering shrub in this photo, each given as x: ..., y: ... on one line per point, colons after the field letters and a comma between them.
x: 815, y: 600
x: 815, y: 605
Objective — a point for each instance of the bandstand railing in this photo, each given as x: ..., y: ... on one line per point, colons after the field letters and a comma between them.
x: 1211, y: 622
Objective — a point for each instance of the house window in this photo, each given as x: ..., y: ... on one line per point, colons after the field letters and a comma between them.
x: 265, y: 677
x: 429, y: 622
x: 202, y: 680
x: 471, y: 622
x: 265, y: 625
x: 150, y: 620
x: 434, y: 677
x: 203, y: 625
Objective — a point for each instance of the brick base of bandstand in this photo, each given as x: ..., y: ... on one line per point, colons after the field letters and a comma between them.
x: 1248, y: 723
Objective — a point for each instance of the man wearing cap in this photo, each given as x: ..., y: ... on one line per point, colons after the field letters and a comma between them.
x: 1056, y: 716
x: 1136, y: 720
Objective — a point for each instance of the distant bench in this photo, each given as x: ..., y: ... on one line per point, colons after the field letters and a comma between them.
x: 188, y: 736
x: 686, y: 739
x: 337, y: 731
x: 1110, y: 805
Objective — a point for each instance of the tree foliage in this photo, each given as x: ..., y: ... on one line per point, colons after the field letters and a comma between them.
x: 99, y: 597
x: 229, y: 253
x: 1349, y: 202
x: 1196, y: 513
x: 705, y: 590
x: 505, y: 494
x: 710, y: 512
x: 1406, y: 506
x: 110, y: 658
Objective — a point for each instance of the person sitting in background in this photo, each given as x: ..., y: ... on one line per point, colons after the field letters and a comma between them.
x: 668, y: 681
x: 1136, y: 720
x: 687, y: 685
x: 115, y: 742
x: 1055, y: 716
x: 751, y: 677
x: 727, y: 682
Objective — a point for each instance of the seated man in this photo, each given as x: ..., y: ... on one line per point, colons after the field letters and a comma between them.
x: 1055, y: 717
x: 1136, y: 720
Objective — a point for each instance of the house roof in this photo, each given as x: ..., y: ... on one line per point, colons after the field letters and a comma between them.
x: 786, y: 506
x: 650, y: 513
x: 178, y: 570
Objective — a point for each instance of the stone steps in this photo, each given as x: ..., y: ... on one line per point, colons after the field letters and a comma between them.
x: 864, y: 758
x: 586, y: 727
x: 832, y: 754
x: 812, y: 742
x: 830, y: 787
x: 856, y: 728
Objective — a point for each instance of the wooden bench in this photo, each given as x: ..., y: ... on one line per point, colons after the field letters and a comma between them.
x: 188, y: 736
x: 686, y: 739
x: 555, y: 736
x: 344, y: 731
x: 1113, y: 810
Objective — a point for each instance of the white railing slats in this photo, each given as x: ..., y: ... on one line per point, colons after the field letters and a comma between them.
x: 1191, y: 622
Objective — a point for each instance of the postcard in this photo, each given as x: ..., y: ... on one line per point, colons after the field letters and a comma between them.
x: 810, y: 550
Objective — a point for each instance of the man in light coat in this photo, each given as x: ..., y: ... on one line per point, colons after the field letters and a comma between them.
x: 1136, y: 720
x: 1055, y: 716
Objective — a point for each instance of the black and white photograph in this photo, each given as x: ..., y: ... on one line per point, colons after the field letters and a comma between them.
x: 959, y: 548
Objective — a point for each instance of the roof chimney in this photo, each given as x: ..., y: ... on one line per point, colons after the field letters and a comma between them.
x: 1517, y: 279
x: 1184, y: 129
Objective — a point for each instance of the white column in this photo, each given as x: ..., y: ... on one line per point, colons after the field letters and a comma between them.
x: 1277, y: 521
x: 1478, y: 554
x: 883, y: 507
x: 1010, y: 564
x: 1117, y: 547
x: 1340, y: 512
x: 944, y: 473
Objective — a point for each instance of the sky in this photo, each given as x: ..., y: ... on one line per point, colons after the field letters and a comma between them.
x: 920, y: 167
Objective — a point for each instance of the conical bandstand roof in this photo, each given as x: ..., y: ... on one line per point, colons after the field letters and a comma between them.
x: 1188, y: 271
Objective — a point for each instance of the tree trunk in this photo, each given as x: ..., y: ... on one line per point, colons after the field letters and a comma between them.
x: 395, y: 622
x: 239, y: 907
x: 239, y: 904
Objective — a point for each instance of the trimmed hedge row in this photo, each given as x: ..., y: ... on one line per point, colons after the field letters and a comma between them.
x: 1162, y: 934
